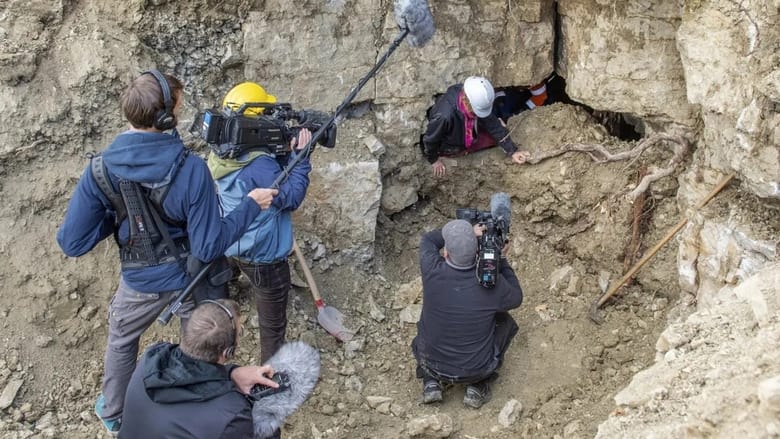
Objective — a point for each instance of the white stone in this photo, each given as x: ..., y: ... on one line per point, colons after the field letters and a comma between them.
x: 769, y: 394
x: 510, y: 412
x: 9, y: 393
x: 410, y: 314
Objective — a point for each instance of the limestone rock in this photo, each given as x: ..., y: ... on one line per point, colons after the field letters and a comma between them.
x: 433, y: 426
x: 509, y: 413
x: 410, y: 314
x: 343, y: 199
x: 9, y: 393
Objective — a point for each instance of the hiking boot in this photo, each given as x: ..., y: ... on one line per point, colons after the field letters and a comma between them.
x: 477, y: 394
x: 111, y: 425
x: 431, y: 391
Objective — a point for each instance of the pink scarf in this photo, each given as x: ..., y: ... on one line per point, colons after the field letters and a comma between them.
x: 469, y: 118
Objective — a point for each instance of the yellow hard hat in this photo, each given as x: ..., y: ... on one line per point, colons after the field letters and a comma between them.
x: 247, y: 92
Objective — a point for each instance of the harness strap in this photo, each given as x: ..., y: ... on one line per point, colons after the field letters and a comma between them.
x: 157, y: 195
x: 98, y: 169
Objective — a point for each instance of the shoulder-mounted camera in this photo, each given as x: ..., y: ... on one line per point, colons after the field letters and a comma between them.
x: 268, y: 128
x: 494, y: 236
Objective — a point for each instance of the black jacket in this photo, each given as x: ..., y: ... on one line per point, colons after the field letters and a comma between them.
x: 447, y: 128
x: 172, y: 395
x: 457, y: 325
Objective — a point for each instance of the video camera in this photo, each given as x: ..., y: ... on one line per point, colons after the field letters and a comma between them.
x: 493, y: 238
x: 231, y: 133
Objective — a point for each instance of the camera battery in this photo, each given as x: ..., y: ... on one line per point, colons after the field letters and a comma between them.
x: 211, y: 129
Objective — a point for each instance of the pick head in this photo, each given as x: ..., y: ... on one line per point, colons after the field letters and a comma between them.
x: 415, y: 16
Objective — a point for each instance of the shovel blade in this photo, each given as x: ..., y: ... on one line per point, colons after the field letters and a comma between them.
x: 332, y: 320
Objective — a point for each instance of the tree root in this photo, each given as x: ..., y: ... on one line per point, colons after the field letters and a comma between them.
x: 599, y: 154
x: 631, y: 251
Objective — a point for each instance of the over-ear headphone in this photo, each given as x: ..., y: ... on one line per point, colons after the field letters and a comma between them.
x: 163, y: 119
x: 231, y: 350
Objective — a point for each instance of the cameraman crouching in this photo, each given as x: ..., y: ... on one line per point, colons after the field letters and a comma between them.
x: 465, y: 328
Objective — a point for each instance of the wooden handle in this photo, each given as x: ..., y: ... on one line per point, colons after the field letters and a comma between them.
x: 660, y: 244
x: 315, y: 292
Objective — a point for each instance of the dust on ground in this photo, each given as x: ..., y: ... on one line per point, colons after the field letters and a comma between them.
x: 569, y: 228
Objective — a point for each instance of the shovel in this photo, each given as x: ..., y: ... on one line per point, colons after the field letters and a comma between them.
x: 329, y: 317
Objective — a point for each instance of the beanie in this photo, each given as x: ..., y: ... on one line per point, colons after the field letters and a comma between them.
x: 460, y: 243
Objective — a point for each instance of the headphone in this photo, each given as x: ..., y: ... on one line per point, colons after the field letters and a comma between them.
x: 231, y: 350
x: 164, y: 119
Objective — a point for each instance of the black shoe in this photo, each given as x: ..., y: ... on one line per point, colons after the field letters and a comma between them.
x: 477, y: 394
x: 431, y: 391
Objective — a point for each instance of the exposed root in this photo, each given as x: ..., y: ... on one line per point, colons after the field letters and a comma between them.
x: 632, y: 248
x: 599, y: 154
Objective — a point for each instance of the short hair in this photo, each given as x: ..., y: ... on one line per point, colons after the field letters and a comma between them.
x: 210, y: 331
x: 143, y: 99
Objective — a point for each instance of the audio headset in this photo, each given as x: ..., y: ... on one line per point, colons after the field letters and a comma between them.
x: 231, y: 350
x: 164, y: 119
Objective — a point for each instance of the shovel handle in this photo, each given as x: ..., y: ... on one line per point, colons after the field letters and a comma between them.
x: 615, y: 286
x: 315, y: 292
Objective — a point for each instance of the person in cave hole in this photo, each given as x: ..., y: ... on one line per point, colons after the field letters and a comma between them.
x: 472, y: 116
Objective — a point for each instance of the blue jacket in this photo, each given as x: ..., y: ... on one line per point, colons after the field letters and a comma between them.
x: 149, y: 159
x: 270, y: 236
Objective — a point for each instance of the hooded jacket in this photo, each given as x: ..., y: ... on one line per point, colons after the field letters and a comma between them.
x: 172, y: 395
x: 150, y: 159
x: 270, y: 236
x: 447, y: 128
x: 457, y: 324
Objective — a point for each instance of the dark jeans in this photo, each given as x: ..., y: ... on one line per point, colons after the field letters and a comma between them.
x: 270, y: 285
x: 506, y: 329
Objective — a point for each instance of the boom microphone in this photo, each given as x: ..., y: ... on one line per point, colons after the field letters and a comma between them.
x: 301, y: 363
x: 415, y: 16
x: 415, y: 20
x: 500, y: 208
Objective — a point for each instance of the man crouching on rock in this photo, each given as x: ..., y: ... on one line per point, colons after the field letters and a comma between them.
x: 186, y: 390
x: 465, y: 328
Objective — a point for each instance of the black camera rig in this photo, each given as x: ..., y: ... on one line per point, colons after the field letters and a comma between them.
x: 494, y: 236
x: 268, y: 128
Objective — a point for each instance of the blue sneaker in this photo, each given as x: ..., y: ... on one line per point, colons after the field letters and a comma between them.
x: 112, y: 425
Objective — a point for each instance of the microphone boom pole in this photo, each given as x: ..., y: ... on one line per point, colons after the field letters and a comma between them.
x: 405, y: 31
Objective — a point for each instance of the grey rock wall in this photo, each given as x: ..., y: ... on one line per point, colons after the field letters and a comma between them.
x: 715, y: 372
x: 731, y: 59
x: 622, y: 57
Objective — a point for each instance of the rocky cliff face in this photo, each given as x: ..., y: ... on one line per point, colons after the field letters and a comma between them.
x: 706, y: 70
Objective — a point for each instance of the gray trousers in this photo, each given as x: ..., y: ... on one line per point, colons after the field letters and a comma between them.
x: 130, y: 313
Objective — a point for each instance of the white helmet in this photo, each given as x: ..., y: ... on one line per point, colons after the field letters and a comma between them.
x: 480, y: 93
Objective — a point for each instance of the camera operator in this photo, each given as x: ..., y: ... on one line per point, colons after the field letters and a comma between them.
x: 186, y: 219
x: 465, y: 328
x: 186, y: 390
x: 261, y: 253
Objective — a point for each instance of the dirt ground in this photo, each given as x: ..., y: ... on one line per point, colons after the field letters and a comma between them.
x: 570, y: 225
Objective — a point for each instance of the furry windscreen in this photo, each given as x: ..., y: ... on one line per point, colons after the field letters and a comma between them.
x: 301, y: 363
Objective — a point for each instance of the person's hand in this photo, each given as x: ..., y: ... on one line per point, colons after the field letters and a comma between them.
x: 245, y: 377
x: 479, y: 229
x: 520, y: 157
x: 263, y: 197
x: 505, y: 250
x: 438, y: 168
x: 304, y: 135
